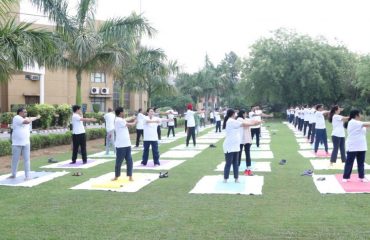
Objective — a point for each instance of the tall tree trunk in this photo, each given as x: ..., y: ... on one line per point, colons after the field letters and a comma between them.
x: 78, y: 88
x: 149, y: 94
x: 206, y: 115
x: 121, y: 95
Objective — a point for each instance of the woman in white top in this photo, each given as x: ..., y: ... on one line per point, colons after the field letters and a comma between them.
x: 338, y: 134
x: 122, y: 144
x: 217, y: 117
x: 356, y: 145
x: 320, y: 129
x: 231, y: 144
x: 139, y: 126
x: 246, y: 141
x: 171, y: 124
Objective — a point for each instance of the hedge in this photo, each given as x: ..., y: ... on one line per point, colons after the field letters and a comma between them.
x: 43, y: 141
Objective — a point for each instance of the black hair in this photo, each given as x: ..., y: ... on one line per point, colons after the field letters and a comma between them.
x: 241, y: 113
x: 332, y: 112
x: 139, y: 110
x: 75, y: 108
x: 147, y: 111
x: 118, y: 111
x: 230, y: 112
x: 353, y: 114
x: 318, y: 106
x: 20, y: 110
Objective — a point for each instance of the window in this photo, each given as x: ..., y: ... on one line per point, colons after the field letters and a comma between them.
x: 32, y: 99
x: 98, y: 77
x: 100, y: 101
x: 116, y: 96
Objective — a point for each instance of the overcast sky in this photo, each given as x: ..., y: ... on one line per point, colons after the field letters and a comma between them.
x: 188, y: 29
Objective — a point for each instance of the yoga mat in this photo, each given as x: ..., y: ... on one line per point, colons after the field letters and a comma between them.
x: 302, y: 140
x: 255, y: 167
x: 251, y: 185
x: 354, y: 184
x: 191, y: 147
x: 213, y: 135
x: 263, y: 141
x: 105, y: 182
x: 325, y: 165
x: 112, y: 154
x: 180, y: 154
x: 305, y: 146
x: 262, y: 147
x: 311, y: 154
x: 36, y: 178
x: 165, y: 165
x: 66, y: 164
x: 207, y: 140
x: 259, y: 155
x: 334, y: 184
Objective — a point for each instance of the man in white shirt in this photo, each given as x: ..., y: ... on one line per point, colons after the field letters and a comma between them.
x: 139, y: 126
x: 78, y: 134
x: 171, y: 124
x: 109, y: 127
x: 122, y: 144
x: 21, y: 142
x: 217, y: 117
x: 203, y: 118
x: 151, y: 137
x: 306, y: 113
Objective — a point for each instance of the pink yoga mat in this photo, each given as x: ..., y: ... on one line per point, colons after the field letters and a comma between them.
x: 354, y: 184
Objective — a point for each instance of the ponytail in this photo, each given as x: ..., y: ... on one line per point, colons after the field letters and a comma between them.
x: 332, y: 112
x: 230, y: 112
x: 353, y: 114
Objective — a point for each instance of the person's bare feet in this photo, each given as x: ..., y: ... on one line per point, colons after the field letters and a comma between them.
x: 130, y: 179
x: 11, y: 177
x: 115, y: 179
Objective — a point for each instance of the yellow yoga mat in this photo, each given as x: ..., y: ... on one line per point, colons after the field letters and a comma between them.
x: 111, y: 184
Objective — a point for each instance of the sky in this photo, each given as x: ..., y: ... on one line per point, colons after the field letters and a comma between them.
x: 190, y: 29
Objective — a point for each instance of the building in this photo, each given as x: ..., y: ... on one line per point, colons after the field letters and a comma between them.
x: 39, y: 85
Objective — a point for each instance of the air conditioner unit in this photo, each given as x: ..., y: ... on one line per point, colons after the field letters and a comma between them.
x: 94, y: 90
x: 33, y: 77
x: 104, y: 90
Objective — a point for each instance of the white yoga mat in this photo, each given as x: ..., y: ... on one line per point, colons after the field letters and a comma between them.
x: 251, y: 185
x: 183, y: 147
x: 66, y: 164
x: 329, y: 185
x: 324, y: 164
x: 302, y: 140
x: 256, y: 167
x: 262, y: 147
x: 213, y: 135
x: 311, y: 154
x: 263, y: 141
x: 259, y: 155
x: 105, y: 182
x: 165, y: 165
x: 304, y: 146
x: 36, y: 178
x: 112, y: 154
x: 208, y: 140
x: 180, y: 154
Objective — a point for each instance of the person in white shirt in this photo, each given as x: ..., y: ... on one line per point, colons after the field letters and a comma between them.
x: 217, y: 118
x: 212, y: 117
x: 203, y: 118
x: 123, y: 144
x: 109, y: 127
x: 320, y: 129
x: 257, y: 114
x: 171, y: 124
x: 21, y: 142
x: 338, y: 134
x: 356, y: 145
x: 139, y: 126
x: 157, y: 114
x: 78, y: 134
x: 306, y: 112
x: 151, y: 137
x: 313, y: 127
x: 190, y: 119
x: 311, y: 114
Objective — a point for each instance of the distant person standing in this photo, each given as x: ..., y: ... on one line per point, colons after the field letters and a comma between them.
x: 338, y: 134
x: 320, y: 129
x: 78, y: 134
x: 190, y: 124
x: 139, y: 126
x: 21, y: 142
x: 203, y: 118
x: 171, y: 124
x: 109, y: 127
x: 158, y: 114
x: 212, y: 117
x: 217, y: 117
x: 123, y: 144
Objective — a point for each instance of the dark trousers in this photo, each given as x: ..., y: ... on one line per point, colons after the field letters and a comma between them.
x: 247, y: 150
x: 305, y: 124
x: 79, y: 140
x: 231, y: 159
x: 159, y: 132
x: 309, y: 131
x: 218, y: 126
x: 175, y: 120
x: 256, y: 131
x: 291, y: 118
x: 360, y: 156
x: 155, y: 152
x: 338, y: 143
x: 190, y: 133
x: 313, y: 132
x: 186, y: 125
x: 171, y: 128
x: 321, y: 137
x: 296, y: 121
x: 139, y: 134
x: 123, y: 153
x: 202, y: 122
x: 301, y: 123
x: 212, y: 120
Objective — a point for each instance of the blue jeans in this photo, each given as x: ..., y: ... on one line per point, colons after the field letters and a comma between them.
x: 321, y: 137
x: 231, y: 158
x: 123, y: 153
x: 338, y: 143
x: 360, y: 156
x: 155, y: 152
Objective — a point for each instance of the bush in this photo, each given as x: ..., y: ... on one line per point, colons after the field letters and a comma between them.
x: 46, y: 112
x: 64, y: 112
x: 6, y: 117
x: 5, y: 147
x: 96, y: 107
x: 98, y: 116
x: 95, y: 133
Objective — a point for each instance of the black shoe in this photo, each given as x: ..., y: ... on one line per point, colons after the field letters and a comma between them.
x: 164, y: 175
x: 84, y: 162
x: 282, y: 162
x: 51, y: 160
x: 212, y: 146
x: 73, y: 162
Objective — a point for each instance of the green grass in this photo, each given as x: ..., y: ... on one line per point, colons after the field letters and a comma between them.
x: 290, y: 207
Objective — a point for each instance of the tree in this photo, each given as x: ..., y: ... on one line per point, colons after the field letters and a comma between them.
x: 88, y: 46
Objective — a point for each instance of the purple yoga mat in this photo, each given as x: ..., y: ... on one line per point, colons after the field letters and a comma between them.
x: 78, y: 163
x: 151, y: 163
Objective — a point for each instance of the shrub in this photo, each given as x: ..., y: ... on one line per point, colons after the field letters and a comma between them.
x: 99, y: 116
x: 5, y: 147
x: 95, y: 133
x: 96, y: 107
x: 46, y: 112
x: 64, y: 112
x: 6, y: 117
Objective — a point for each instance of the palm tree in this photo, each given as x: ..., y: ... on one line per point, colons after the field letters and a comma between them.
x: 88, y: 45
x: 21, y: 45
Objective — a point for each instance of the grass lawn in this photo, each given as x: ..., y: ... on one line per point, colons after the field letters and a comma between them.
x: 290, y: 207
